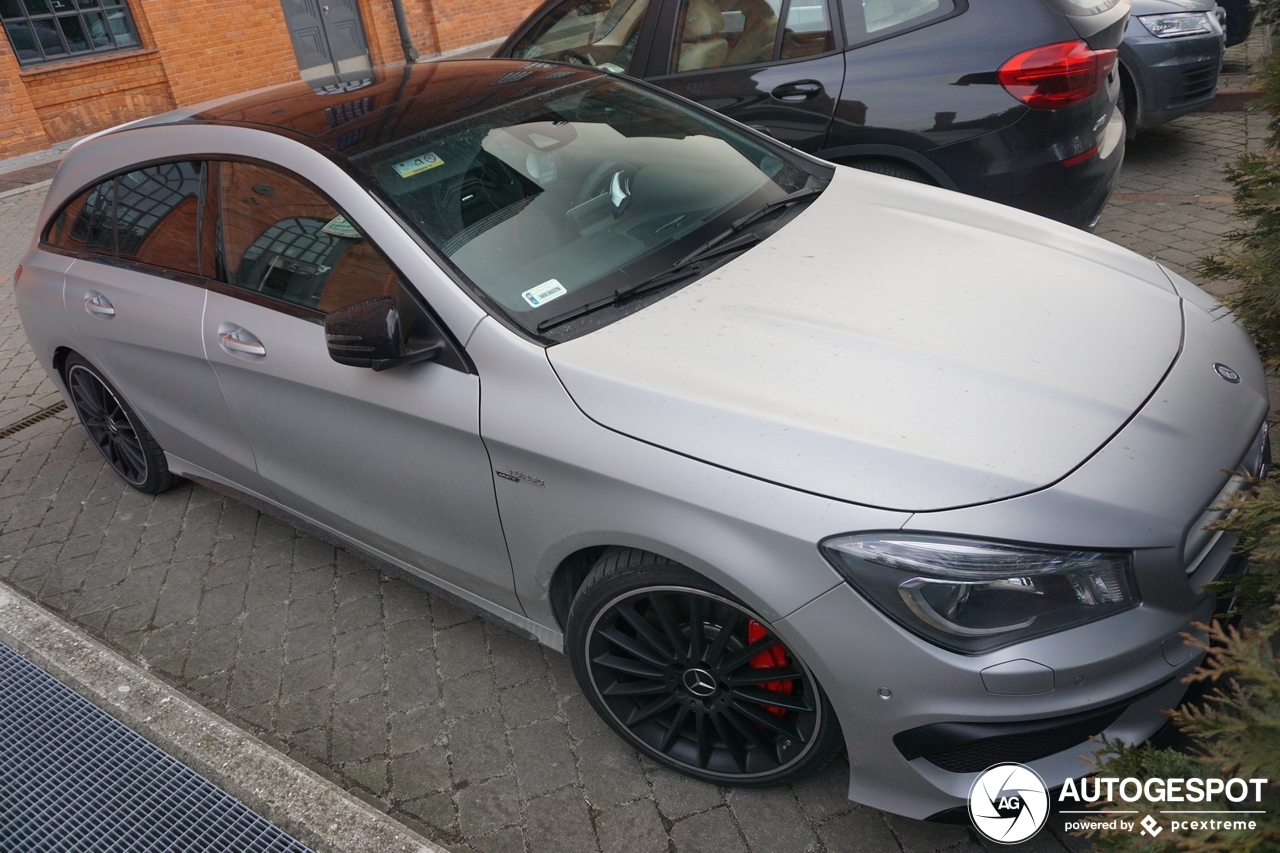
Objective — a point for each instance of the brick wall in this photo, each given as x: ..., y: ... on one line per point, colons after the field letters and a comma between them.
x: 20, y: 127
x: 83, y: 95
x: 194, y: 51
x: 219, y: 47
x: 459, y: 23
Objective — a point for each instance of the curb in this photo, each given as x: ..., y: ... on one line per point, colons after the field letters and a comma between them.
x: 1231, y: 101
x: 28, y: 188
x: 311, y: 809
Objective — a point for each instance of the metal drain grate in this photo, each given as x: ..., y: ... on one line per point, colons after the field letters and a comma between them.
x: 42, y: 415
x: 74, y: 780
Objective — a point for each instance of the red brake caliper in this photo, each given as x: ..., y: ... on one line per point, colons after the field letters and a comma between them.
x: 771, y: 658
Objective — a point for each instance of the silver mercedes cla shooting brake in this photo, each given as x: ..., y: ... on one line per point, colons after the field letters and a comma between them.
x: 782, y: 455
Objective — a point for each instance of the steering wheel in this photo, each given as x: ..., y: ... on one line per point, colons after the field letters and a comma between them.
x: 602, y: 180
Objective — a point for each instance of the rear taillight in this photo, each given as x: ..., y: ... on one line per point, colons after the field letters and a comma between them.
x: 1057, y: 75
x: 17, y: 274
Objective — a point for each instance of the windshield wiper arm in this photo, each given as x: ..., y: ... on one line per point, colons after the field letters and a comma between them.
x: 738, y: 224
x: 651, y: 283
x: 692, y: 263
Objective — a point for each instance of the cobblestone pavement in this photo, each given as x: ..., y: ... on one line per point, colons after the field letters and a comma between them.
x: 473, y: 736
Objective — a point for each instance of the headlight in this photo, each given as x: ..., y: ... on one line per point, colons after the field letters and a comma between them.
x: 1174, y: 24
x: 971, y: 596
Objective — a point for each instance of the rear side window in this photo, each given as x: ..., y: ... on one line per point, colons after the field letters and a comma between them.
x: 874, y: 19
x: 87, y: 224
x: 157, y: 216
x: 149, y: 216
x: 724, y: 33
x: 281, y: 238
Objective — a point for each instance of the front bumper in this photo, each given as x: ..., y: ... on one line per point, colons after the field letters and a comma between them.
x: 1120, y: 686
x: 919, y: 720
x: 1172, y: 77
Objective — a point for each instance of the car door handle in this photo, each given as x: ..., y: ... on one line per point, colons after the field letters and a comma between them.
x: 96, y: 303
x: 240, y: 340
x: 801, y: 90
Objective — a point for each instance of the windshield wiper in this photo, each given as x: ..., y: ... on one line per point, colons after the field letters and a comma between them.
x: 705, y: 250
x: 691, y: 264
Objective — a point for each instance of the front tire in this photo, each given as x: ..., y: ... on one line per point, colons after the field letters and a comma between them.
x: 115, y: 430
x: 692, y: 678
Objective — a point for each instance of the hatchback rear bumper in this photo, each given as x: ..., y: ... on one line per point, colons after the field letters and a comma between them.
x: 1033, y: 165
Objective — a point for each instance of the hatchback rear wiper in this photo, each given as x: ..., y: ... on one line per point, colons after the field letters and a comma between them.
x: 691, y: 264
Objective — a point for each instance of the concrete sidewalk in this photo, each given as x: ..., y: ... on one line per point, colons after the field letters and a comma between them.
x: 474, y: 737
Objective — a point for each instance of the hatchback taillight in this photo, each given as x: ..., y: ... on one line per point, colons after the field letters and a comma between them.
x: 1057, y: 75
x: 17, y: 274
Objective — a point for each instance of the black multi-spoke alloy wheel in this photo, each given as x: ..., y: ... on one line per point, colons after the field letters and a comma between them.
x: 694, y: 679
x: 115, y: 430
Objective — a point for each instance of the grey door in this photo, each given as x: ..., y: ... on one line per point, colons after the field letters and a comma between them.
x: 137, y: 312
x: 327, y: 36
x: 392, y: 459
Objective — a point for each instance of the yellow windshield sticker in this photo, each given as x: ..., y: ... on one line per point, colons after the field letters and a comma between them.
x: 415, y: 165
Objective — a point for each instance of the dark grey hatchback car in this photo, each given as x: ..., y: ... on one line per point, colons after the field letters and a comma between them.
x: 1009, y: 100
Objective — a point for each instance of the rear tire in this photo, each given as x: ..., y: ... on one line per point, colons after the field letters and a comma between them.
x: 669, y: 660
x: 892, y: 168
x: 115, y: 430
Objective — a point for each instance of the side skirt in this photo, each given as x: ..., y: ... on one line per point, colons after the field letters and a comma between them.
x: 510, y: 620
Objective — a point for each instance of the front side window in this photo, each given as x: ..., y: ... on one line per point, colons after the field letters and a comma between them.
x: 555, y: 202
x: 49, y: 30
x: 280, y: 238
x: 602, y: 33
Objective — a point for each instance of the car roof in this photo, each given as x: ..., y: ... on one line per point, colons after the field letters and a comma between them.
x: 363, y: 112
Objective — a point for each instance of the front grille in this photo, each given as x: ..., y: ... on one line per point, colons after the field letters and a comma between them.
x: 1256, y: 463
x: 73, y: 780
x: 1197, y: 82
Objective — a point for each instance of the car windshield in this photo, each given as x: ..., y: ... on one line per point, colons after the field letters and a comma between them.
x: 551, y: 202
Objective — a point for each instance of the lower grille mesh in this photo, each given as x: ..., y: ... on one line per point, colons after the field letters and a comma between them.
x: 1023, y: 748
x: 74, y: 779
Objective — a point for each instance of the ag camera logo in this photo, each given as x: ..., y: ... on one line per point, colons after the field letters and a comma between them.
x: 1009, y: 803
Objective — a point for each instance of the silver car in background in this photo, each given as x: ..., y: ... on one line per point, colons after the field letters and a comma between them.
x: 784, y: 456
x: 1169, y: 61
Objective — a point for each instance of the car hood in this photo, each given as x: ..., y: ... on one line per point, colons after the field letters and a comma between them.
x: 894, y: 345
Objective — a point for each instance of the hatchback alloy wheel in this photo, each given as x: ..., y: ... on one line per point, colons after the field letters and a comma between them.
x: 126, y: 445
x: 700, y: 683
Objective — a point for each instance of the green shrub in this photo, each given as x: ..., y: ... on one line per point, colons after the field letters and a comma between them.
x: 1234, y: 729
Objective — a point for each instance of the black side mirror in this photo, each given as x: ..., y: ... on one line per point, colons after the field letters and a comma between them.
x: 368, y: 334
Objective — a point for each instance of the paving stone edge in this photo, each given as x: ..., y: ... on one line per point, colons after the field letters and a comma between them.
x: 312, y: 809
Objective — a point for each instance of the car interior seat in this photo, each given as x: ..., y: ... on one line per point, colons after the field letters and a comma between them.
x: 758, y: 32
x: 702, y: 43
